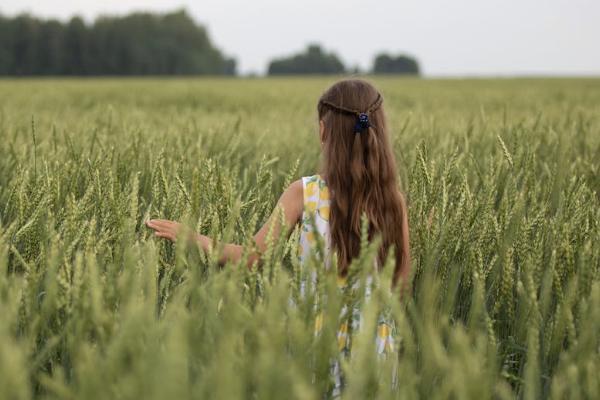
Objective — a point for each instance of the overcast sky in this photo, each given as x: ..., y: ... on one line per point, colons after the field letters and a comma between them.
x: 448, y: 37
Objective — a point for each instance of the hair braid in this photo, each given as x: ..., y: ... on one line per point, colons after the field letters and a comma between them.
x: 376, y: 104
x: 360, y: 171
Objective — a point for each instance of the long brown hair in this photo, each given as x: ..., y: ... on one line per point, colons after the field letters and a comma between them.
x: 360, y: 171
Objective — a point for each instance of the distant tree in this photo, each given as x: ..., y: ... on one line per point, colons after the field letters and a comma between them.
x: 229, y: 67
x: 75, y: 48
x: 402, y: 64
x: 136, y: 44
x: 50, y: 49
x: 24, y: 37
x: 313, y: 61
x: 6, y: 46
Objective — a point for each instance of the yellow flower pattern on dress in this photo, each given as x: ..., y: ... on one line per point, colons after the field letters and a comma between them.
x: 315, y: 221
x: 311, y: 206
x: 316, y: 211
x: 311, y: 189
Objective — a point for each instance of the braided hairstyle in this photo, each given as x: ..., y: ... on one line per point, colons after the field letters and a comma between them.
x: 360, y: 170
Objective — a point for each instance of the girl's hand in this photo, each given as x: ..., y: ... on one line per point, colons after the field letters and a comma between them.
x: 165, y: 228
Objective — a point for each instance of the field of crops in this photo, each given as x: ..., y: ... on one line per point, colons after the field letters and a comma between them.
x: 503, y: 183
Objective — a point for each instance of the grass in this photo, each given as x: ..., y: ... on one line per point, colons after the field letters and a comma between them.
x: 503, y: 186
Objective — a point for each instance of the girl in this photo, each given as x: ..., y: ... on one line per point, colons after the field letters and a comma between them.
x: 358, y: 171
x: 358, y: 175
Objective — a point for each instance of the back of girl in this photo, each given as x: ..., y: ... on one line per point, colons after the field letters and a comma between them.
x: 358, y: 176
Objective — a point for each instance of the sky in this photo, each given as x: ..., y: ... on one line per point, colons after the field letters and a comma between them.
x: 448, y: 37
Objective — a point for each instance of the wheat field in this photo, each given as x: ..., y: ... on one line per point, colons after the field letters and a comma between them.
x: 503, y: 185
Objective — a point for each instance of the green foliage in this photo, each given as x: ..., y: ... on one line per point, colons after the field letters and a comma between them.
x: 313, y: 61
x: 135, y: 44
x: 503, y: 189
x: 401, y: 65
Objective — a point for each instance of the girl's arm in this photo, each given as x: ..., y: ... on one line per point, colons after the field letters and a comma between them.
x: 291, y: 201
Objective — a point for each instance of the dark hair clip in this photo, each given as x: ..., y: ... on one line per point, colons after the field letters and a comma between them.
x: 362, y: 122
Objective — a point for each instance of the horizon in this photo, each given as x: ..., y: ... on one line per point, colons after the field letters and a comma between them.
x: 557, y: 42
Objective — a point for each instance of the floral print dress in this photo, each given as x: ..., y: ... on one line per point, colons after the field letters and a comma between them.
x: 315, y: 221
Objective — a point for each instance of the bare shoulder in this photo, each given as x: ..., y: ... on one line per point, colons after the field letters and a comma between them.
x: 293, y: 194
x: 292, y: 201
x: 296, y: 187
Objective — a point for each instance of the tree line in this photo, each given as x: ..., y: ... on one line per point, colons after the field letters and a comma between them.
x: 148, y: 44
x: 314, y: 60
x: 136, y: 44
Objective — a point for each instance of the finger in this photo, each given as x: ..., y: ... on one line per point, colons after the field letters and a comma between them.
x: 151, y: 225
x: 156, y: 221
x: 172, y: 233
x: 156, y: 228
x: 164, y: 235
x: 168, y: 224
x: 165, y: 231
x: 160, y: 223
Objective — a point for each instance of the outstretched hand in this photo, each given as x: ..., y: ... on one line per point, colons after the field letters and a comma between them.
x: 291, y: 202
x: 165, y: 229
